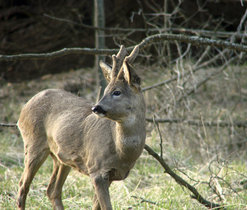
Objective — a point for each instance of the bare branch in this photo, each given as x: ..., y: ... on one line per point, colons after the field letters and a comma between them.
x: 194, y: 40
x: 59, y: 53
x: 160, y: 83
x: 189, y: 122
x: 165, y: 82
x: 242, y: 124
x: 200, y: 123
x: 161, y: 139
x: 222, y: 34
x: 207, y: 78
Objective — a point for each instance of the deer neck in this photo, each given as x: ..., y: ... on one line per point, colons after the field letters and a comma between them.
x: 130, y: 136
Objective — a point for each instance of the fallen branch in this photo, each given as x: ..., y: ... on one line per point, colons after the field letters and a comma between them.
x: 194, y: 40
x: 196, y: 195
x: 201, y: 123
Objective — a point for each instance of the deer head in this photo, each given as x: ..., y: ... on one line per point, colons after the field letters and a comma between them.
x: 120, y: 98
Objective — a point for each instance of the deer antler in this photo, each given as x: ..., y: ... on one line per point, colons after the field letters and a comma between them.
x: 117, y: 61
x: 132, y: 55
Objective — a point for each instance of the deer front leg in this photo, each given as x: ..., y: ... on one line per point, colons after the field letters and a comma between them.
x: 96, y: 205
x: 102, y: 197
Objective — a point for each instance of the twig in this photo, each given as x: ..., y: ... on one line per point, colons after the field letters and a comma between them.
x: 165, y: 82
x: 196, y: 195
x: 8, y: 125
x: 216, y: 176
x: 199, y: 123
x: 161, y: 139
x: 207, y: 78
x: 160, y: 84
x: 144, y: 200
x: 194, y: 40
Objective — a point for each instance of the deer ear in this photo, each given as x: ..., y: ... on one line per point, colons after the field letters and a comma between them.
x: 130, y: 76
x: 106, y: 69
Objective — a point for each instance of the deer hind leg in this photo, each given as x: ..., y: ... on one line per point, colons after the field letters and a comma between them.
x: 54, y: 190
x: 34, y: 158
x: 102, y: 196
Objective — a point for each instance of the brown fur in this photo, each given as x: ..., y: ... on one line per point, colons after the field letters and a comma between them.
x: 60, y: 124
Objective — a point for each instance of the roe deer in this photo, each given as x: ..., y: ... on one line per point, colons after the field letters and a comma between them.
x: 102, y: 141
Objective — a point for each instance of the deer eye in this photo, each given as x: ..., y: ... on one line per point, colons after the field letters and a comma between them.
x: 116, y: 93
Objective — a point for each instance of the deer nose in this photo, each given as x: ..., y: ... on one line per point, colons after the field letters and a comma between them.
x: 98, y: 110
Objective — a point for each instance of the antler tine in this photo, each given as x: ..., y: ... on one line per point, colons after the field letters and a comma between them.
x: 133, y: 54
x: 114, y: 66
x: 117, y: 61
x: 122, y: 53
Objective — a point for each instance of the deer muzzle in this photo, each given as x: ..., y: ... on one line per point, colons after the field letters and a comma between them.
x: 98, y: 110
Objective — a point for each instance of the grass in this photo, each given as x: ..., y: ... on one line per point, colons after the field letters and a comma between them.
x: 202, y: 156
x: 147, y: 187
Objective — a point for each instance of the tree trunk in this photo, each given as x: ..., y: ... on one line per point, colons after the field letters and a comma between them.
x: 99, y: 21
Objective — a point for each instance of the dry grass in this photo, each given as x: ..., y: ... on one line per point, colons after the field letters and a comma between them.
x: 201, y: 155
